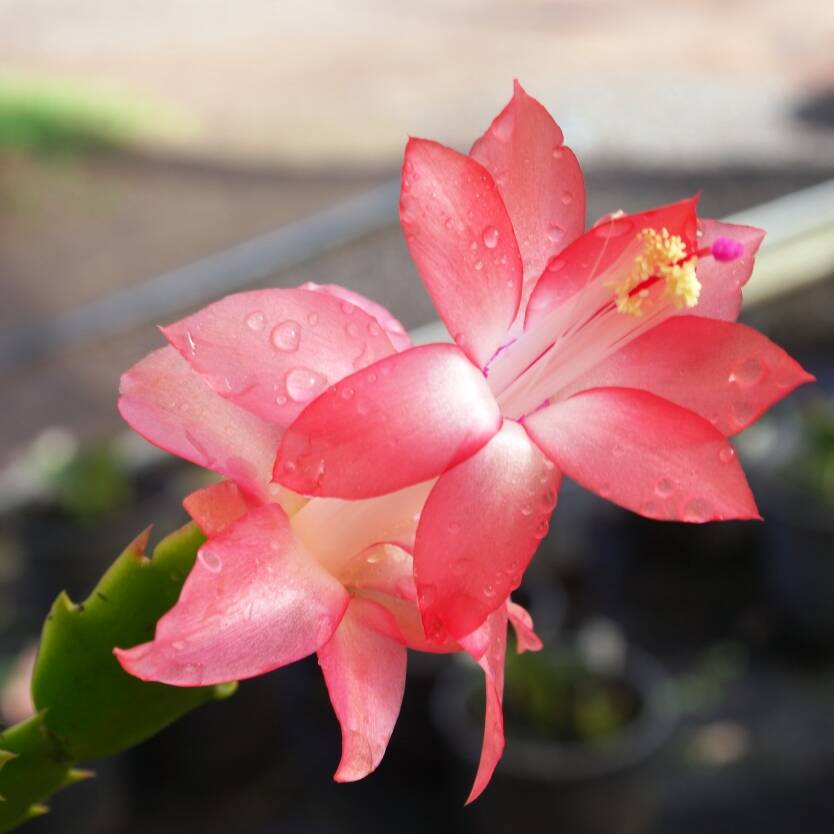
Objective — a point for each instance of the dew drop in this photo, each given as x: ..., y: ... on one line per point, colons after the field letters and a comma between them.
x: 479, y: 265
x: 312, y: 319
x: 374, y: 329
x: 362, y: 408
x: 286, y: 336
x: 502, y: 127
x: 650, y: 509
x: 347, y: 308
x: 541, y: 529
x: 664, y: 487
x: 697, y: 510
x: 304, y: 384
x: 347, y: 393
x: 490, y: 237
x: 178, y: 645
x: 427, y: 594
x: 256, y: 321
x: 558, y: 152
x: 556, y: 233
x: 211, y: 561
x: 375, y: 556
x: 489, y: 590
x: 526, y: 509
x: 748, y: 372
x: 727, y: 454
x: 281, y: 399
x: 352, y: 329
x: 404, y: 588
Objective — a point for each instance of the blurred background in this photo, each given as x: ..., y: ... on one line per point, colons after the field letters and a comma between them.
x: 157, y: 155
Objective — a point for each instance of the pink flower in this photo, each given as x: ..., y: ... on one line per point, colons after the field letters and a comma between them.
x: 281, y: 577
x: 612, y: 356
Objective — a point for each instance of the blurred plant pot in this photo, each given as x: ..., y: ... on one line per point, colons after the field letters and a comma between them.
x: 799, y: 562
x: 544, y: 783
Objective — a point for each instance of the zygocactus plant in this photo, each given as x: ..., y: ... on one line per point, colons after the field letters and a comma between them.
x: 87, y: 707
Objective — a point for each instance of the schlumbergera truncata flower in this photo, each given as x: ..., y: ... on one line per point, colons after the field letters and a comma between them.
x: 382, y: 496
x: 280, y: 576
x: 611, y: 356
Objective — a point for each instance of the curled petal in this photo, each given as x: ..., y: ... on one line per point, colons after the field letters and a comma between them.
x: 645, y: 454
x: 254, y: 601
x: 482, y: 522
x: 273, y: 351
x: 365, y: 675
x: 492, y: 662
x: 215, y: 507
x: 393, y: 328
x: 538, y: 178
x: 162, y: 399
x: 525, y: 637
x: 604, y: 247
x: 728, y: 373
x: 404, y: 420
x: 461, y: 239
x: 722, y: 282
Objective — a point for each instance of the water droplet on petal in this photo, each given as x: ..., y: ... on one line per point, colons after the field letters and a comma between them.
x: 748, y: 372
x: 490, y: 237
x: 375, y: 556
x: 256, y: 320
x: 502, y: 127
x: 743, y: 412
x: 374, y: 329
x: 697, y: 510
x: 556, y: 233
x: 541, y: 529
x: 479, y: 265
x: 362, y: 408
x: 352, y: 329
x: 556, y: 264
x: 303, y: 384
x: 664, y: 487
x: 427, y: 594
x: 347, y: 308
x: 727, y: 454
x: 650, y: 509
x: 312, y: 319
x: 211, y: 561
x: 347, y: 393
x: 526, y: 509
x: 489, y: 590
x: 558, y: 152
x: 286, y: 336
x: 567, y: 198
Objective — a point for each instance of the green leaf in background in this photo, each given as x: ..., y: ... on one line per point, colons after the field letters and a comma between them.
x: 88, y: 707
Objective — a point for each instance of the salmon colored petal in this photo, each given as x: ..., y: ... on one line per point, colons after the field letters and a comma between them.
x: 461, y: 239
x: 601, y: 248
x: 728, y: 373
x: 645, y: 454
x: 254, y: 601
x: 162, y: 399
x: 393, y: 328
x: 404, y: 420
x: 215, y: 507
x: 526, y: 639
x: 273, y: 351
x: 479, y: 529
x: 721, y: 283
x: 492, y: 662
x: 538, y: 178
x: 365, y: 676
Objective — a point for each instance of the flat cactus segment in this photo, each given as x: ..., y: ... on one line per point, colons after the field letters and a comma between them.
x: 92, y: 707
x: 32, y: 767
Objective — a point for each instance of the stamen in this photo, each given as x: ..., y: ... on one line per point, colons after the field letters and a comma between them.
x: 726, y: 249
x: 663, y: 258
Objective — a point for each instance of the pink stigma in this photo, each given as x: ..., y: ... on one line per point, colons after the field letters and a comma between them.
x: 726, y: 249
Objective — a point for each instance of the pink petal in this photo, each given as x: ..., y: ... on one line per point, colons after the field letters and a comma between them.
x: 721, y: 283
x: 173, y: 408
x: 645, y: 454
x: 393, y: 328
x: 600, y: 248
x: 526, y: 639
x: 462, y: 241
x: 273, y: 351
x: 254, y: 601
x: 492, y: 662
x: 479, y: 529
x: 728, y: 373
x: 215, y: 507
x: 404, y: 420
x: 365, y: 676
x: 538, y: 178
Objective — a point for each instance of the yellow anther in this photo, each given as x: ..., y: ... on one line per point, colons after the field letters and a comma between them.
x: 664, y: 256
